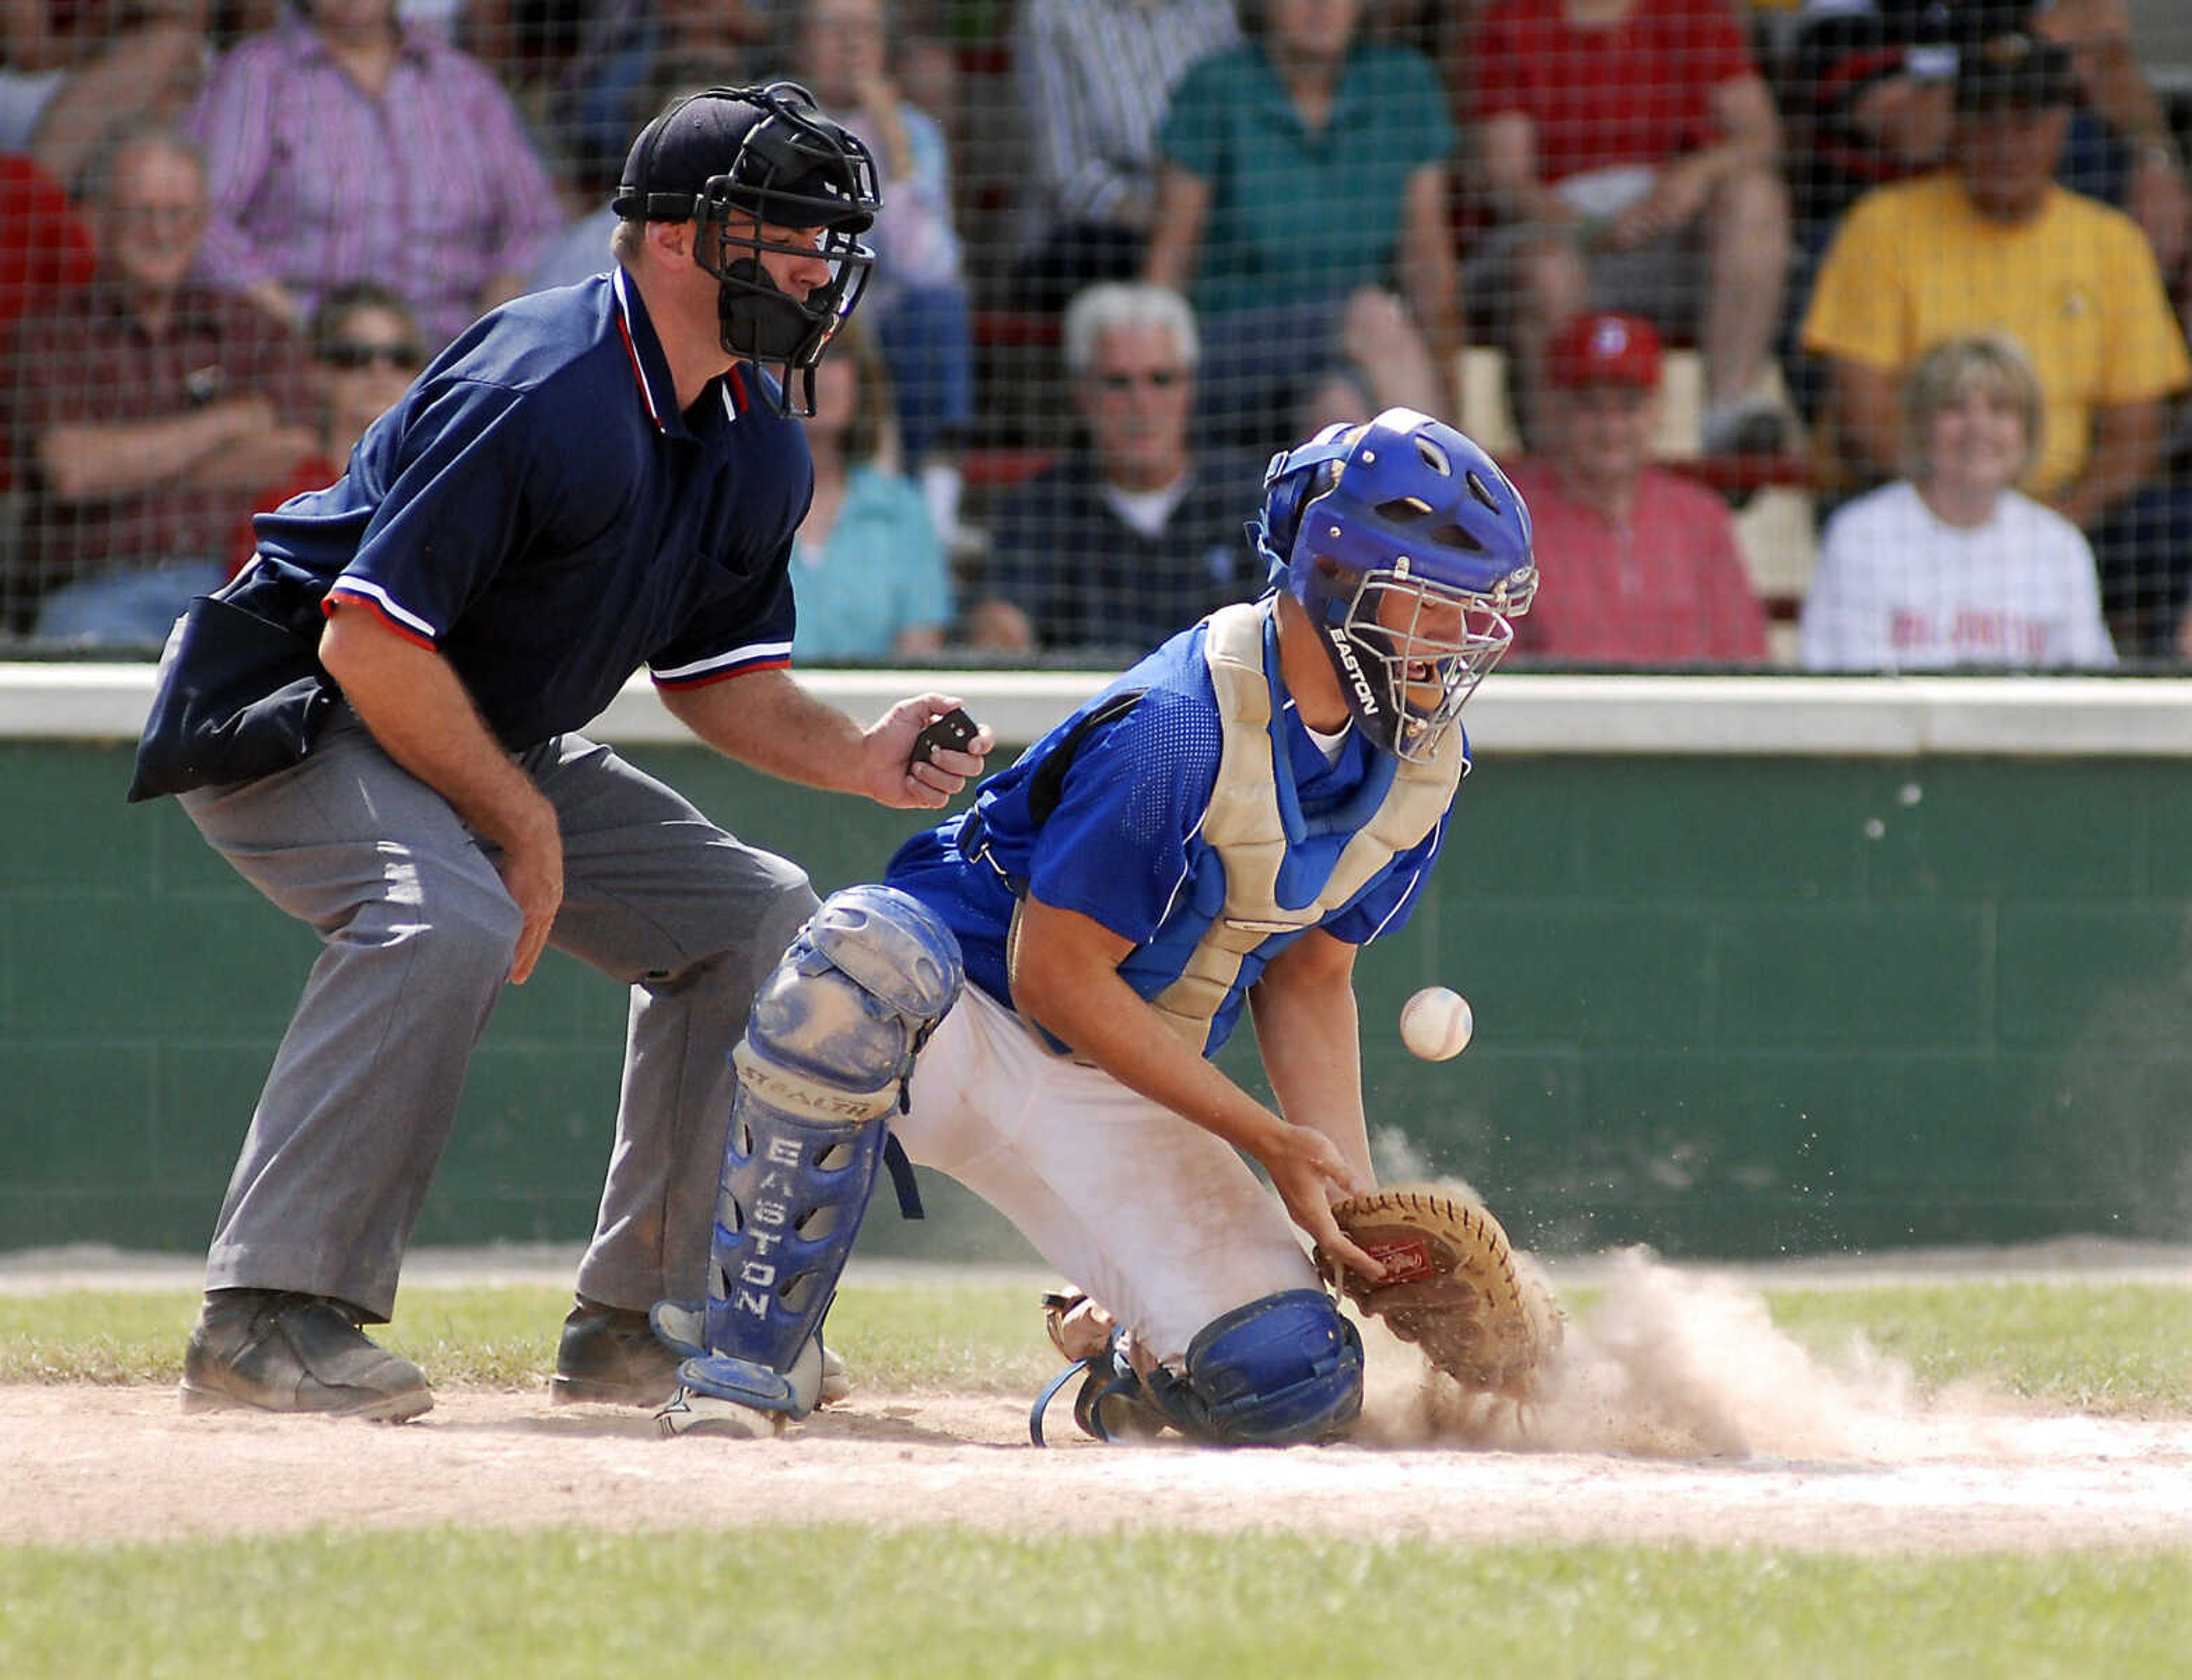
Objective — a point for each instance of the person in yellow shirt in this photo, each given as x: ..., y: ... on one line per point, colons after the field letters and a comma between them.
x: 1992, y: 243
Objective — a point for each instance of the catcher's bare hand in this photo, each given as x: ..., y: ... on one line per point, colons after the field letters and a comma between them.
x: 1079, y: 1328
x: 1309, y: 1174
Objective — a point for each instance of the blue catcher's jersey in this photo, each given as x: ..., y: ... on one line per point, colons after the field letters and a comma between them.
x: 1117, y: 836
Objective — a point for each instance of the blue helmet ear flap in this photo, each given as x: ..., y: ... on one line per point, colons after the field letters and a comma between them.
x: 1295, y: 479
x: 1284, y: 499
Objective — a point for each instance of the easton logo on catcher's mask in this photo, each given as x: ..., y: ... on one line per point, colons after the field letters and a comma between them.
x: 1412, y: 553
x: 743, y: 161
x: 1342, y: 653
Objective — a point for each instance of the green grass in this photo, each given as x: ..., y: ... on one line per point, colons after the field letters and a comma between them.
x: 845, y: 1600
x: 850, y: 1600
x: 2117, y: 1348
x: 962, y: 1338
x: 2122, y: 1349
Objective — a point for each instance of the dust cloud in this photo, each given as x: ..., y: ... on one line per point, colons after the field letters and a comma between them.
x: 1674, y: 1363
x: 1668, y: 1362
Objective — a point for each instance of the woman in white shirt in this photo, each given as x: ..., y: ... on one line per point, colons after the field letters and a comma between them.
x: 1950, y: 566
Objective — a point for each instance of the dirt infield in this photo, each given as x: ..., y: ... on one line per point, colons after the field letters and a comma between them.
x: 1682, y: 1415
x: 93, y: 1464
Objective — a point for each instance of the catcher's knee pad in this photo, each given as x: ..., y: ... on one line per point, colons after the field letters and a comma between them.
x: 1278, y: 1372
x: 832, y: 1038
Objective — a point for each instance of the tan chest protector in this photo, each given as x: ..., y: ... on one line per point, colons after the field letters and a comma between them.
x: 1243, y: 826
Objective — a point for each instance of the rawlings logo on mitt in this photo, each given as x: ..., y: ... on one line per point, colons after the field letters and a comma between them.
x: 1451, y: 1287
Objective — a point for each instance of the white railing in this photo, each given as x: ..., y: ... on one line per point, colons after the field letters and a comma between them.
x: 1514, y: 712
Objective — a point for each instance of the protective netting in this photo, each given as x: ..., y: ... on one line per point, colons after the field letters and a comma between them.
x: 1846, y: 336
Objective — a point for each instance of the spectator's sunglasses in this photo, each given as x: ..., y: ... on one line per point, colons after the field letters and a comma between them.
x: 351, y: 353
x: 1163, y: 379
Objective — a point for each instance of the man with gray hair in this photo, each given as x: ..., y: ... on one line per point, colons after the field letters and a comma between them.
x: 1133, y: 533
x: 147, y: 411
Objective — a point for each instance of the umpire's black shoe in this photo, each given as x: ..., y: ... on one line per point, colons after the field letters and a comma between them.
x: 276, y: 1351
x: 611, y: 1356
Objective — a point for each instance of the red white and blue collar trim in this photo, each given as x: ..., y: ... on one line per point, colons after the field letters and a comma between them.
x: 661, y: 401
x: 659, y: 405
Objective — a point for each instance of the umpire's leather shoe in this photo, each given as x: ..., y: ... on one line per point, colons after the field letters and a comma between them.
x: 610, y: 1356
x: 276, y: 1351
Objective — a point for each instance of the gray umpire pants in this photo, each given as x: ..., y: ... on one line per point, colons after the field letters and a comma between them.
x: 418, y: 933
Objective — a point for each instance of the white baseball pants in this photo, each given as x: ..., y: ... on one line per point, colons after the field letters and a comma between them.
x: 1160, y: 1222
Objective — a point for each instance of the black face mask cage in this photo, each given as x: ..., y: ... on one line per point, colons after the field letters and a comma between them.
x: 760, y: 320
x: 794, y: 170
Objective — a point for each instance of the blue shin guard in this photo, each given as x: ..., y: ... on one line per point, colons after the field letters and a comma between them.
x: 1283, y: 1371
x: 1278, y: 1372
x: 832, y: 1039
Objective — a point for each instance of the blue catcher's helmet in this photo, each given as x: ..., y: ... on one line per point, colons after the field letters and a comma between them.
x: 1411, y: 551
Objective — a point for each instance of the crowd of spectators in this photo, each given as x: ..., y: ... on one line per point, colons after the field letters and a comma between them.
x: 1928, y: 258
x: 1992, y: 241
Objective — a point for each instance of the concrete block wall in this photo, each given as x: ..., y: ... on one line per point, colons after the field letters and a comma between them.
x: 1726, y: 1005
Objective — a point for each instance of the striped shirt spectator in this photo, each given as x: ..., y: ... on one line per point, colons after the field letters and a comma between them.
x: 1095, y: 77
x: 428, y: 185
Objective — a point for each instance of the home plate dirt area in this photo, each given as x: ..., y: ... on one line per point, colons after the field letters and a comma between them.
x: 1681, y: 1415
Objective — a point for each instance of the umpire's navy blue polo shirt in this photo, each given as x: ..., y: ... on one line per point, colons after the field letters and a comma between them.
x: 537, y: 509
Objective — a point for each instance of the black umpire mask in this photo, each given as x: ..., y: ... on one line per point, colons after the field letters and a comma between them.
x: 748, y: 162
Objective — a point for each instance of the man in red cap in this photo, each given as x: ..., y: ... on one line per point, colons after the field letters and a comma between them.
x: 1644, y: 562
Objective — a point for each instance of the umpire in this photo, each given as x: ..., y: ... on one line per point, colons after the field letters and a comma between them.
x: 376, y: 723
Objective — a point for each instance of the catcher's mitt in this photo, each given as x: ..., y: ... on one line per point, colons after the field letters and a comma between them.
x: 1451, y: 1287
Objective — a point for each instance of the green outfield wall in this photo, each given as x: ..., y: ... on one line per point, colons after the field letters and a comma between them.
x: 1758, y: 966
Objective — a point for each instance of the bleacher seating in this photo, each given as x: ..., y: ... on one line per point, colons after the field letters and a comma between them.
x: 1022, y: 411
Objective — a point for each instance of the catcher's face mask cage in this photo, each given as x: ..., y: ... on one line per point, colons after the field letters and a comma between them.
x: 1409, y: 654
x: 1412, y: 553
x: 798, y: 185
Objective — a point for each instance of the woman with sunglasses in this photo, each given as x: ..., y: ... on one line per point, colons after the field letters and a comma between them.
x: 363, y: 343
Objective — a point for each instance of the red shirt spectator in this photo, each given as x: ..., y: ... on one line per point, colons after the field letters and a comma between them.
x: 1633, y: 92
x: 144, y: 409
x: 1628, y: 151
x: 1664, y: 585
x: 87, y: 360
x: 1640, y: 567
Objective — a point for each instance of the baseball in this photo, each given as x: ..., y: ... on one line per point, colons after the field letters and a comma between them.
x: 1436, y: 1023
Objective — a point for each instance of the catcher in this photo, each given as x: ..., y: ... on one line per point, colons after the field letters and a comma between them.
x: 1225, y: 825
